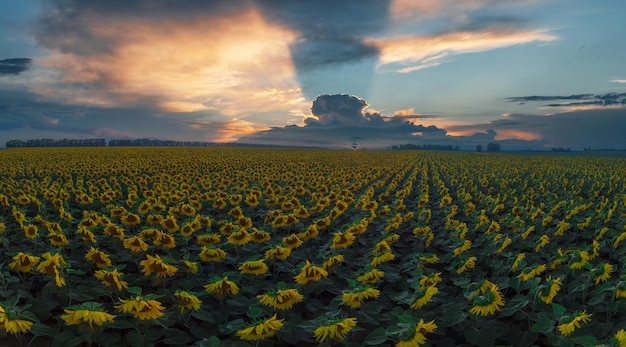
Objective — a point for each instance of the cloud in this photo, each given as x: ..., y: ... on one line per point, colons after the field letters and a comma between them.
x: 183, y: 61
x: 330, y: 32
x: 411, y: 53
x: 596, y: 128
x: 407, y: 10
x: 14, y: 66
x: 607, y: 99
x: 618, y: 81
x: 341, y: 118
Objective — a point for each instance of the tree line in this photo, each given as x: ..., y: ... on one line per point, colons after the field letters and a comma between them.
x: 98, y: 142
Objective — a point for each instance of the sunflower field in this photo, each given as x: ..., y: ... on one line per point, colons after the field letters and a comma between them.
x: 274, y: 247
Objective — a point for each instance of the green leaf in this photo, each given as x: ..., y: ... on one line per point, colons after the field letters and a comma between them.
x: 204, y: 315
x: 134, y: 290
x: 484, y: 336
x: 254, y: 312
x: 517, y: 303
x: 211, y: 341
x: 543, y: 325
x: 376, y: 337
x: 405, y: 318
x: 136, y: 339
x: 454, y: 314
x: 75, y: 272
x: 176, y: 337
x: 558, y: 310
x: 39, y: 329
x: 65, y: 339
x: 587, y: 341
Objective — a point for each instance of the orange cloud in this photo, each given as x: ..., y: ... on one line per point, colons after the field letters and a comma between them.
x: 234, y: 129
x: 405, y: 112
x: 576, y: 108
x: 406, y: 10
x: 185, y: 65
x: 508, y: 134
x: 419, y: 52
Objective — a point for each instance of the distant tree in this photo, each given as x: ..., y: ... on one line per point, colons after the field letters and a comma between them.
x: 493, y: 147
x: 479, y: 148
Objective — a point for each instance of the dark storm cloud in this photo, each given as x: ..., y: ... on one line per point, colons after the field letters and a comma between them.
x: 14, y: 66
x: 342, y: 118
x: 596, y: 128
x: 607, y: 99
x: 331, y: 30
x: 309, y: 54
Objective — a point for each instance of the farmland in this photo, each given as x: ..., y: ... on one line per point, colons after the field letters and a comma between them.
x: 245, y: 247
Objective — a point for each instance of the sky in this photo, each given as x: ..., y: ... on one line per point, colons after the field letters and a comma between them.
x: 528, y: 74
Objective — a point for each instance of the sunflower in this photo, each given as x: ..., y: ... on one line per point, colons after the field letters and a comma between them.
x: 140, y: 308
x: 222, y: 287
x: 310, y: 232
x: 155, y: 219
x: 310, y: 273
x: 170, y: 224
x: 371, y: 277
x: 135, y: 244
x: 467, y: 265
x: 332, y: 261
x: 488, y: 301
x: 430, y: 280
x: 24, y: 262
x: 186, y: 300
x: 239, y: 237
x: 57, y: 239
x: 117, y: 212
x: 467, y: 244
x: 573, y: 322
x: 423, y: 296
x: 208, y: 239
x: 244, y: 222
x: 382, y: 258
x: 342, y: 240
x: 259, y: 236
x: 605, y: 274
x: 355, y: 298
x: 158, y: 266
x: 381, y: 247
x: 114, y: 231
x: 336, y: 329
x: 531, y: 272
x: 11, y: 323
x: 191, y: 266
x: 292, y: 241
x: 261, y: 330
x: 553, y: 285
x: 31, y: 231
x: 149, y: 234
x: 279, y: 221
x: 282, y: 299
x: 419, y: 332
x: 165, y: 240
x: 87, y: 314
x: 187, y: 210
x: 278, y: 252
x: 212, y: 254
x: 253, y: 267
x: 219, y: 204
x: 111, y: 279
x: 98, y: 257
x: 50, y: 266
x: 620, y: 338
